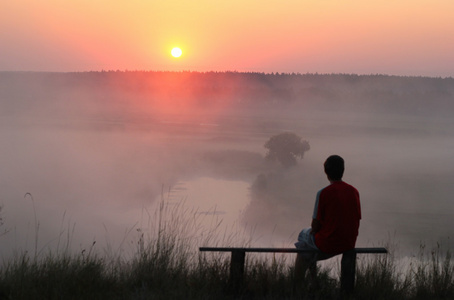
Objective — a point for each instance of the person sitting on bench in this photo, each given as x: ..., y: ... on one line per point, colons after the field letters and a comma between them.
x: 335, y: 221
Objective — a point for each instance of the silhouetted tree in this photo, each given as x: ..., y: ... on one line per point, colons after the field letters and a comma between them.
x: 286, y: 148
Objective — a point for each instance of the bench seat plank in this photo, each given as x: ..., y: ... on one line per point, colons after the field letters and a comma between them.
x: 284, y: 250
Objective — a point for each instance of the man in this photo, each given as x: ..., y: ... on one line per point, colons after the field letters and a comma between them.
x: 335, y: 221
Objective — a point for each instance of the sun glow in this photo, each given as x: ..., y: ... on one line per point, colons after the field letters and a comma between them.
x: 176, y: 52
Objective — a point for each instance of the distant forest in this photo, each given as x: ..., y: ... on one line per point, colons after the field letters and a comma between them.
x: 21, y: 91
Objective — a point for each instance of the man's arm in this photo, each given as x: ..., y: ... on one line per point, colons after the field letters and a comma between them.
x: 316, y: 225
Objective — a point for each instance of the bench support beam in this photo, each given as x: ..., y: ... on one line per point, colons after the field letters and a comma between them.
x: 348, y: 272
x: 237, y: 269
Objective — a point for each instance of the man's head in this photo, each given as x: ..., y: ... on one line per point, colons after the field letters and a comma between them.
x: 334, y: 167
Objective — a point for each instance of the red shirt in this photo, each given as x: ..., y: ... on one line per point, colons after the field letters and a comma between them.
x: 338, y: 212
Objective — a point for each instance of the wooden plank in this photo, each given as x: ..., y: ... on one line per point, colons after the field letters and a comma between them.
x: 371, y: 250
x: 283, y: 250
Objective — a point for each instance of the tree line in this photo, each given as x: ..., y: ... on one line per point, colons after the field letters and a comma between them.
x: 381, y: 92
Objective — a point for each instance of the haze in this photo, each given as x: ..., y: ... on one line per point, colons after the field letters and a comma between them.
x: 98, y: 150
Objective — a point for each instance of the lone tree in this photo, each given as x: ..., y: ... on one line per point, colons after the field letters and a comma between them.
x: 286, y: 147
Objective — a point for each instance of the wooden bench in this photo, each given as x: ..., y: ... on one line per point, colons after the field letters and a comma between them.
x: 348, y: 262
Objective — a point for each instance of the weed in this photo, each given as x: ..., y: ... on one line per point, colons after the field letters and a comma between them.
x: 167, y: 265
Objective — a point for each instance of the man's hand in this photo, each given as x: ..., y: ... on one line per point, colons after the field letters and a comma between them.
x: 316, y: 225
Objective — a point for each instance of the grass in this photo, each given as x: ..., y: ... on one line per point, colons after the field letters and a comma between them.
x: 165, y: 264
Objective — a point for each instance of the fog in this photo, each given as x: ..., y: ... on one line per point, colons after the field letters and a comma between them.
x: 86, y: 157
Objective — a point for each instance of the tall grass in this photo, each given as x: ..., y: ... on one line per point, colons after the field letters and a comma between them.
x: 434, y: 275
x: 165, y: 264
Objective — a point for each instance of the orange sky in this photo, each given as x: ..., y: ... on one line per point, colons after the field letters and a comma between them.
x: 400, y: 37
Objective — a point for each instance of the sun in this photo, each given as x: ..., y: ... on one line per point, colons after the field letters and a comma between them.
x: 176, y: 52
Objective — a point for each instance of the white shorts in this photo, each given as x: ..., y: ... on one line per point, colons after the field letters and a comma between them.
x: 306, y: 240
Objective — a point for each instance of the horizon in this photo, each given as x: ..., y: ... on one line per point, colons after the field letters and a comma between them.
x: 273, y: 73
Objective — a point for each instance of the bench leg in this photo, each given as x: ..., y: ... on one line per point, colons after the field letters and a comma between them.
x: 237, y: 270
x: 348, y: 269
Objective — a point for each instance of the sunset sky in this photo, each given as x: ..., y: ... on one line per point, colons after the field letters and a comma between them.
x: 403, y: 37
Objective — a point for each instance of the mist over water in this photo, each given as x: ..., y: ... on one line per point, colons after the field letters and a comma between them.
x: 96, y: 165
